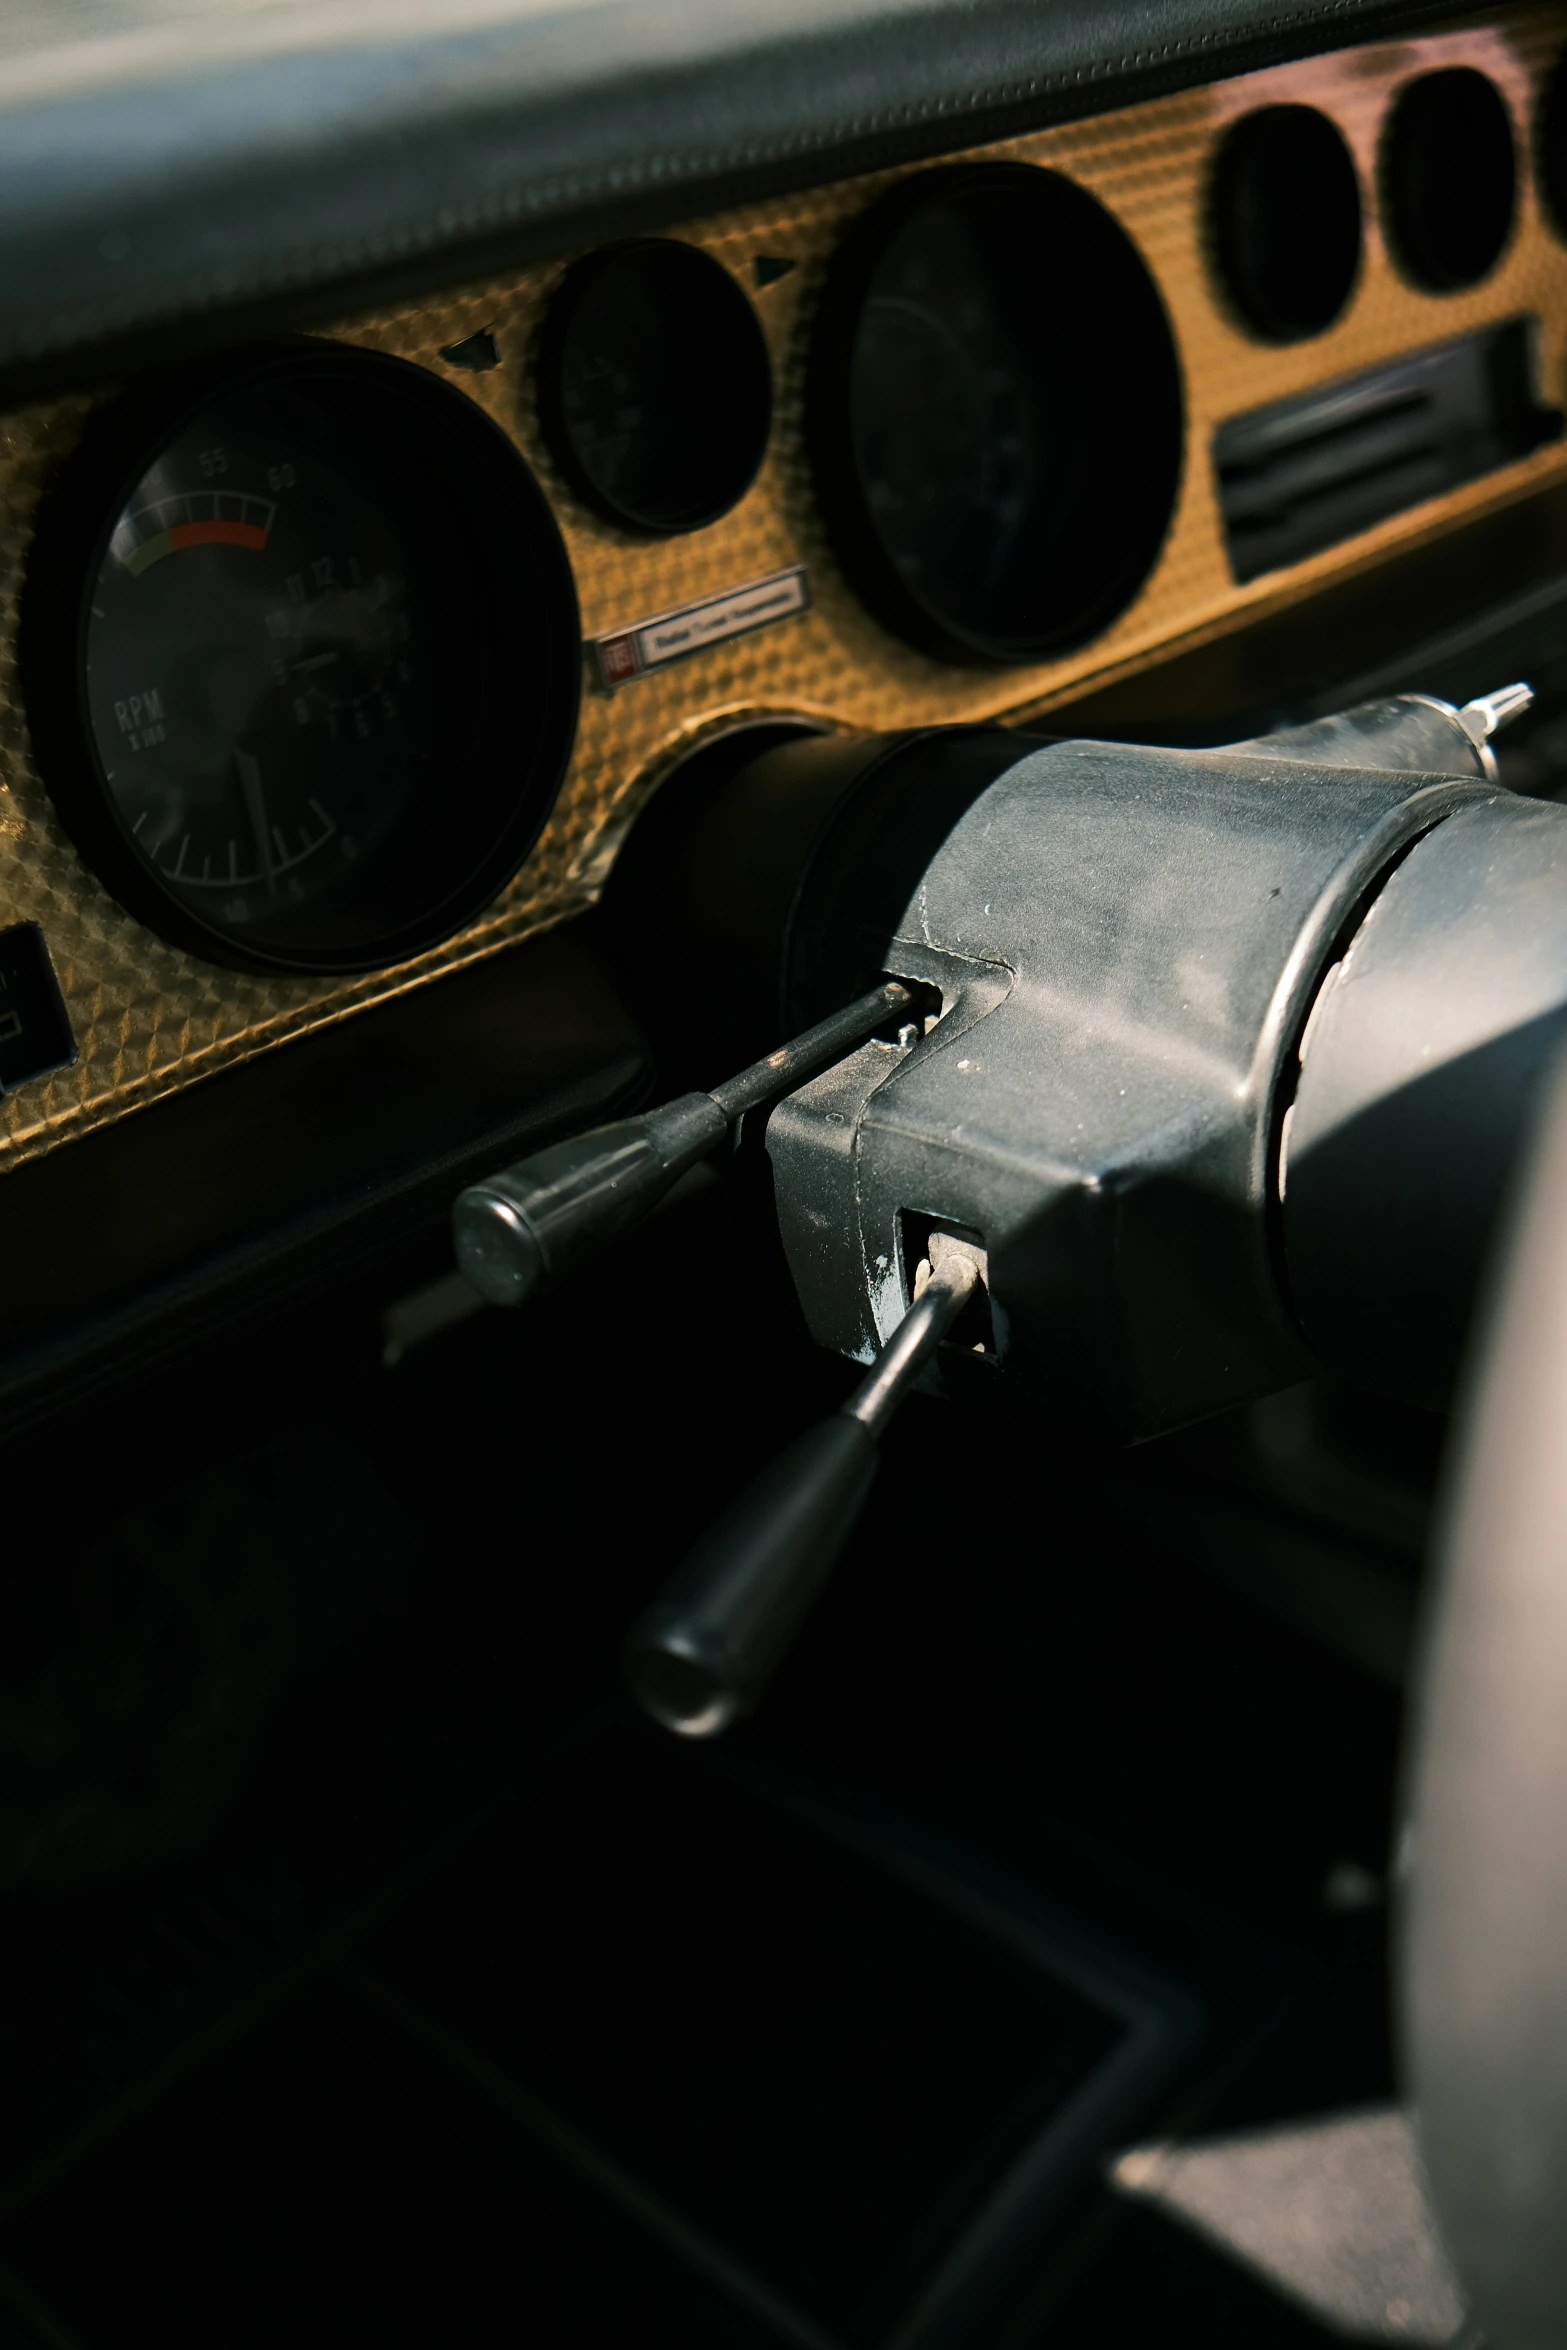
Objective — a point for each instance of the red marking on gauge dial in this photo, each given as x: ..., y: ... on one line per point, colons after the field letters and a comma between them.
x: 218, y: 534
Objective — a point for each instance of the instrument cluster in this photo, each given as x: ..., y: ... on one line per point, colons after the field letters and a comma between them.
x: 356, y: 655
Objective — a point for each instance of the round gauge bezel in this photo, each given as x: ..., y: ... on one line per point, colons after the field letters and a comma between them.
x: 1451, y: 121
x: 829, y: 434
x: 1296, y: 295
x: 509, y: 786
x: 749, y: 407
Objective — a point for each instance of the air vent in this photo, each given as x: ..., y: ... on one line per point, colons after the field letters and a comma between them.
x: 1307, y: 472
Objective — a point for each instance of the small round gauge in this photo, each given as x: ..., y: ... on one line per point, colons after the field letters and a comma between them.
x: 1284, y: 221
x: 993, y: 409
x: 1449, y: 177
x: 654, y: 388
x: 301, y: 656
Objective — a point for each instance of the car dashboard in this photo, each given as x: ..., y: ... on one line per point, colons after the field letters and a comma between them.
x: 988, y: 583
x: 790, y: 636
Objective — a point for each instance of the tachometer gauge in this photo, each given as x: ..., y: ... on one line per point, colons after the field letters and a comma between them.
x: 301, y: 660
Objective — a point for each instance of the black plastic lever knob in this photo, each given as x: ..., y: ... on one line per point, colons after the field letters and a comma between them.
x: 702, y: 1654
x: 522, y: 1230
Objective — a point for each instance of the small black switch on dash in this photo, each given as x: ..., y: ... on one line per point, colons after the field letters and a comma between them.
x: 35, y: 1035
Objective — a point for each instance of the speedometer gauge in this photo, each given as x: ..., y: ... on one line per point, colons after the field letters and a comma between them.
x: 993, y: 409
x: 323, y: 674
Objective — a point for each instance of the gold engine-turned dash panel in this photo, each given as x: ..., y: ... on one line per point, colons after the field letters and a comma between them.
x: 148, y: 1015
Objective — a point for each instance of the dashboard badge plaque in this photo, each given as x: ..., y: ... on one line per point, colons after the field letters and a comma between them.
x: 627, y: 653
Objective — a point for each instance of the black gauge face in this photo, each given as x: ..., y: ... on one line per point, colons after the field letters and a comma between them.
x: 323, y: 680
x: 994, y: 412
x: 263, y: 664
x: 654, y: 387
x: 1449, y: 178
x: 1284, y: 218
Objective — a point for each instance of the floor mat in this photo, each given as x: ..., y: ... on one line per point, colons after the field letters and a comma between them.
x: 800, y: 2073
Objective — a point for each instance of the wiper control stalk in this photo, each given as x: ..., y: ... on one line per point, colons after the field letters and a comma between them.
x: 520, y: 1232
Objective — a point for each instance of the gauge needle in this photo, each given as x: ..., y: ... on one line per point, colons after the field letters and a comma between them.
x: 256, y: 809
x: 316, y: 661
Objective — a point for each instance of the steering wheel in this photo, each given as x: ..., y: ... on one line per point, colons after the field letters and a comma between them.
x: 1483, y: 1963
